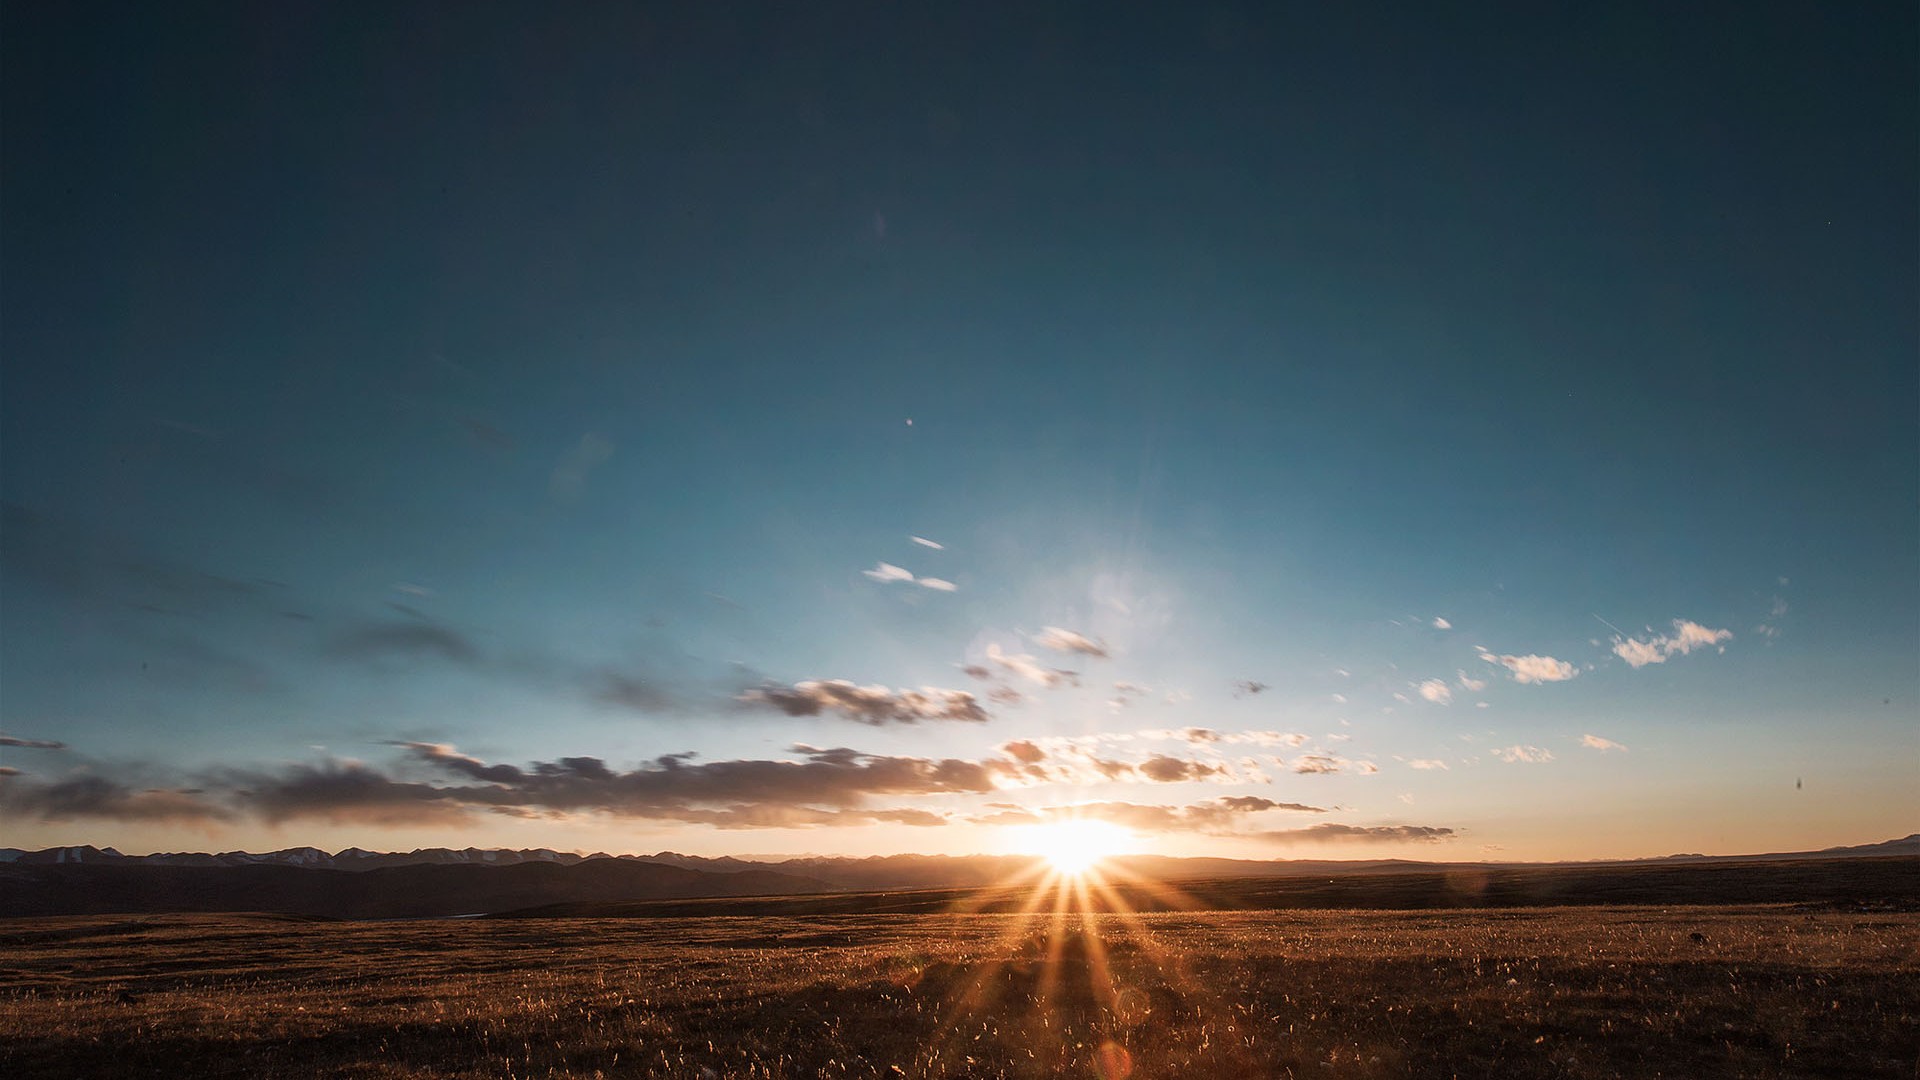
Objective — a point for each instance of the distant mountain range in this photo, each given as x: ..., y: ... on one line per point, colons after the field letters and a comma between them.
x: 441, y: 881
x: 312, y: 858
x: 419, y: 890
x: 877, y: 871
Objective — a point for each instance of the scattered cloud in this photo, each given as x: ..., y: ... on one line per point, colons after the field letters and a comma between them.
x: 88, y: 796
x: 31, y: 744
x: 1079, y: 761
x: 1215, y: 817
x: 1166, y: 769
x: 1062, y: 640
x: 1469, y: 683
x: 1436, y: 691
x: 887, y: 573
x: 1595, y: 742
x: 352, y: 792
x: 1024, y: 751
x: 1686, y: 637
x: 924, y: 542
x: 1533, y: 669
x: 1516, y: 754
x: 1441, y: 624
x: 875, y: 705
x: 1426, y: 763
x: 438, y: 784
x: 824, y: 787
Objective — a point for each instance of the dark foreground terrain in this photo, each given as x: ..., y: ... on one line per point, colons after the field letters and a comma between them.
x: 1891, y: 884
x: 1781, y: 990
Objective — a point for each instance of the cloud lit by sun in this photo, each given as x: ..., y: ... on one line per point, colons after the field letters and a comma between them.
x: 1074, y: 847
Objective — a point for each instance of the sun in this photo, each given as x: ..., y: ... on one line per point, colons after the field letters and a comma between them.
x: 1073, y: 848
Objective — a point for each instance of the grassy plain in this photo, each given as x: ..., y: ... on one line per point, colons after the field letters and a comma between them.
x: 1534, y: 992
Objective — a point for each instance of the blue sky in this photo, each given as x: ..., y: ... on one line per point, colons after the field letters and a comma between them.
x: 392, y: 404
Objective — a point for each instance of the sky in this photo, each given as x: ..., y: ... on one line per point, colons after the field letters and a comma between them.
x: 1345, y: 432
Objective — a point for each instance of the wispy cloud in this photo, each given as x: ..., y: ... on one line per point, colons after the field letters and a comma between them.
x: 1331, y: 833
x: 1771, y: 628
x: 1513, y: 755
x: 1533, y: 669
x: 1219, y: 817
x: 1248, y: 687
x: 1595, y: 742
x: 1686, y: 637
x: 1199, y: 736
x: 1027, y: 667
x: 1324, y: 764
x: 380, y: 641
x: 1441, y: 624
x: 1469, y: 683
x: 1062, y: 640
x: 875, y: 705
x: 569, y: 478
x: 1426, y: 763
x: 1436, y: 691
x: 924, y: 542
x: 31, y: 744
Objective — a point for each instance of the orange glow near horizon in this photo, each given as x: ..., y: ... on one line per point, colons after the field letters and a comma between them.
x: 1074, y: 847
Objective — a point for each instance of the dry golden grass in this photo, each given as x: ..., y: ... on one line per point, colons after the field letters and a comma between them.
x: 1517, y: 993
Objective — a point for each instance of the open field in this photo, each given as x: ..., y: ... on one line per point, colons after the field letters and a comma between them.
x: 1780, y: 990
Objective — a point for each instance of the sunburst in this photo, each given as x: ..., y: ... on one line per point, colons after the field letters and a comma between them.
x: 1076, y: 847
